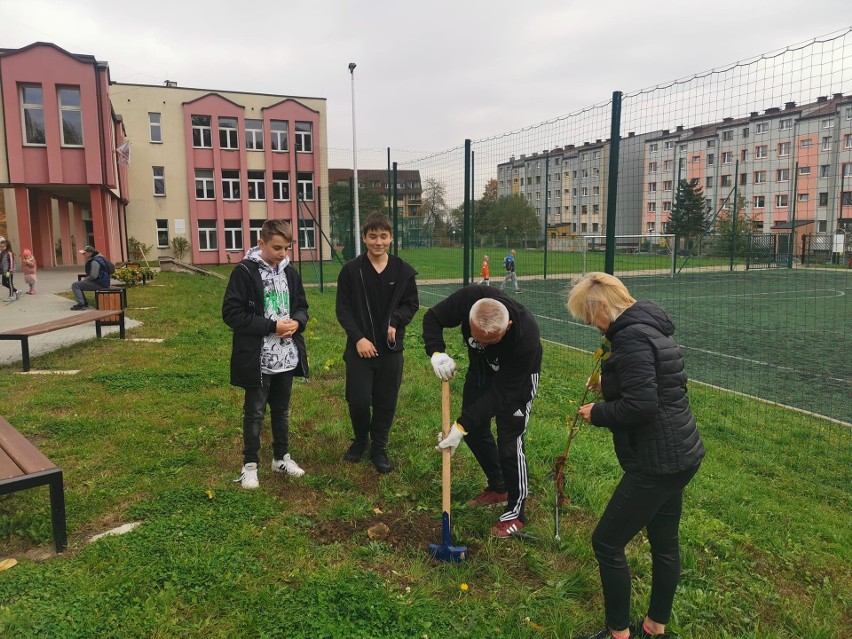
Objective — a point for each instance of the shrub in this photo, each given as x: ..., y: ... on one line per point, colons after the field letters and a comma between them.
x: 180, y: 246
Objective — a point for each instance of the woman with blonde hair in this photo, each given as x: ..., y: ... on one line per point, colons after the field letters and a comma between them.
x: 645, y: 405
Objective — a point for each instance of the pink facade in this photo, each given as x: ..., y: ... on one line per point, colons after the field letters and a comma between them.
x: 61, y: 136
x: 212, y: 157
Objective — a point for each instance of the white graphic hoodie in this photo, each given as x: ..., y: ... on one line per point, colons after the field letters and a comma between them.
x: 278, y: 354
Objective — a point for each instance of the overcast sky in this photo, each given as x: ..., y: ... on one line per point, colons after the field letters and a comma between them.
x: 429, y: 74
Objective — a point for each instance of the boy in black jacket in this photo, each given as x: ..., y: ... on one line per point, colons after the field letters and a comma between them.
x: 504, y: 351
x: 265, y: 305
x: 376, y: 300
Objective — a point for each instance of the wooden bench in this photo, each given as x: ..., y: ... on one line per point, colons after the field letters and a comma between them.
x: 23, y: 466
x: 108, y: 317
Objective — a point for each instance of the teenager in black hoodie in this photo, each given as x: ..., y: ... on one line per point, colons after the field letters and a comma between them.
x: 643, y: 384
x: 376, y: 300
x: 504, y: 351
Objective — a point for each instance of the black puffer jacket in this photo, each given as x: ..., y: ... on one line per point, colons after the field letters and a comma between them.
x: 644, y: 387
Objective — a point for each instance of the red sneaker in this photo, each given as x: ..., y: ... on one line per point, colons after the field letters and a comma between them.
x: 489, y: 497
x: 504, y: 529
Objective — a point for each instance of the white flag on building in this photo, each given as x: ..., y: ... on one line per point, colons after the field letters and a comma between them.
x: 123, y: 153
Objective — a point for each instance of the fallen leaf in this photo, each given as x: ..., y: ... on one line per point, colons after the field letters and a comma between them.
x: 378, y: 531
x: 210, y: 494
x: 378, y: 511
x: 8, y: 563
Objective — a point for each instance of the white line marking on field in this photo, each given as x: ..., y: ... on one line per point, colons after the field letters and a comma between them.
x: 126, y: 528
x: 68, y: 372
x: 155, y: 340
x: 143, y: 308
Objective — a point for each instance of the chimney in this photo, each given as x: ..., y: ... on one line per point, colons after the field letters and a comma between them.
x: 772, y: 110
x: 789, y: 105
x: 822, y: 99
x: 727, y: 119
x: 679, y: 128
x: 665, y: 131
x: 753, y: 114
x: 631, y: 134
x: 837, y: 96
x: 598, y: 141
x: 170, y: 83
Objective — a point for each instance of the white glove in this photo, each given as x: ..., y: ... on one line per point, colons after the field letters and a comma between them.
x: 444, y: 366
x: 452, y: 439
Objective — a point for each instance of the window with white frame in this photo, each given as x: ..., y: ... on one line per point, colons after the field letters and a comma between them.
x: 667, y: 206
x: 806, y: 143
x: 708, y: 182
x: 743, y: 179
x: 804, y: 170
x: 538, y: 195
x: 696, y: 159
x: 652, y: 207
x: 162, y: 234
x: 307, y: 235
x: 759, y: 201
x: 233, y: 235
x: 744, y: 155
x: 803, y: 197
x: 669, y: 145
x: 781, y: 200
x: 231, y: 185
x: 256, y: 185
x: 159, y: 175
x: 667, y: 165
x: 822, y: 225
x: 202, y: 134
x: 652, y: 148
x: 32, y: 104
x: 254, y: 135
x: 279, y: 132
x: 254, y: 231
x: 725, y: 180
x: 280, y: 186
x: 782, y: 175
x: 584, y: 191
x: 847, y: 169
x: 849, y: 113
x: 824, y: 170
x: 304, y: 137
x: 204, y: 186
x: 759, y: 177
x: 596, y: 155
x: 667, y: 185
x: 155, y: 128
x: 596, y: 209
x: 652, y: 167
x: 305, y: 186
x: 711, y: 159
x: 745, y: 132
x: 596, y: 190
x: 71, y: 114
x: 828, y: 123
x: 228, y: 134
x: 823, y: 199
x: 847, y: 141
x: 727, y: 157
x: 652, y: 226
x: 761, y: 127
x: 783, y: 149
x: 826, y: 143
x: 652, y: 187
x: 585, y: 173
x: 711, y: 144
x: 207, y: 235
x: 727, y: 136
x: 785, y: 124
x: 761, y: 152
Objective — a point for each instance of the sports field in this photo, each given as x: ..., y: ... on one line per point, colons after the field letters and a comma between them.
x: 776, y: 334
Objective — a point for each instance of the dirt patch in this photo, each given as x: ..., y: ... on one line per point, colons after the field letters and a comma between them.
x: 413, y: 530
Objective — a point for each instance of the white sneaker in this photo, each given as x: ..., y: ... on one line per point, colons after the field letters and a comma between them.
x: 287, y: 465
x: 248, y: 478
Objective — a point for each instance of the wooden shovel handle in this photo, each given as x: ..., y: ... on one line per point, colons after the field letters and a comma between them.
x: 445, y: 422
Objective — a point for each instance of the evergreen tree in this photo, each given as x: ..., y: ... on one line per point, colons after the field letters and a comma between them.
x: 733, y: 230
x: 689, y: 218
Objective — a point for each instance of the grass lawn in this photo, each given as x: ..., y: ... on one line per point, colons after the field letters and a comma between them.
x: 152, y: 432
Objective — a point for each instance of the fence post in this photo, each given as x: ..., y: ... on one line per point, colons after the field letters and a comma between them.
x: 395, y: 213
x: 734, y: 219
x: 546, y: 206
x: 793, y: 218
x: 612, y: 187
x: 466, y: 252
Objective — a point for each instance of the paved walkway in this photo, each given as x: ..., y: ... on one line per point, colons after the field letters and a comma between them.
x: 44, y: 306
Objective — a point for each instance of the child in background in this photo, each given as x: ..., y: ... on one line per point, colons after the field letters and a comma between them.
x: 7, y: 268
x: 29, y: 267
x: 486, y: 278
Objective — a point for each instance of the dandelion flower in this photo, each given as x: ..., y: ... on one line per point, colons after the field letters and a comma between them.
x: 463, y: 587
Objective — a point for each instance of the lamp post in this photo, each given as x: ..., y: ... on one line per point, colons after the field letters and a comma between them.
x: 355, y: 165
x: 506, y: 235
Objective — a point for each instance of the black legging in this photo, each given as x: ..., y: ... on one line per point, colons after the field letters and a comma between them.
x: 641, y: 501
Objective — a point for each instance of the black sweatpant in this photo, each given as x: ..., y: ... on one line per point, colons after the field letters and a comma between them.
x: 504, y: 461
x: 641, y: 501
x: 372, y: 386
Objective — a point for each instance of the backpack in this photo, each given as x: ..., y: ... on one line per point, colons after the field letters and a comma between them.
x: 109, y: 266
x: 506, y: 261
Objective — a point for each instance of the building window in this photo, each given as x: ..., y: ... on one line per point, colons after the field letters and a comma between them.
x: 155, y: 128
x: 727, y: 136
x: 783, y: 149
x: 804, y: 197
x: 761, y: 127
x: 760, y: 152
x: 159, y: 180
x: 202, y: 134
x: 71, y: 112
x: 596, y: 190
x: 307, y: 235
x: 652, y: 207
x: 254, y: 135
x: 652, y: 187
x: 278, y: 129
x: 254, y: 231
x: 204, y: 189
x: 708, y: 182
x: 847, y: 170
x: 727, y: 157
x: 745, y: 132
x: 759, y: 201
x: 304, y: 137
x: 782, y: 175
x: 726, y: 180
x: 711, y: 159
x: 849, y: 113
x: 162, y: 234
x: 256, y: 185
x: 743, y: 155
x: 233, y: 235
x: 667, y: 165
x: 667, y: 206
x: 821, y: 226
x: 280, y: 186
x: 743, y: 179
x: 847, y: 141
x: 584, y: 191
x: 32, y: 103
x: 652, y: 167
x: 305, y: 186
x: 231, y: 185
x: 806, y: 143
x: 207, y: 235
x: 826, y: 143
x: 696, y: 159
x: 828, y: 123
x: 711, y: 144
x: 759, y: 177
x: 597, y: 155
x: 824, y: 170
x: 823, y: 199
x: 667, y: 185
x: 804, y: 170
x: 652, y: 148
x: 781, y: 201
x: 228, y: 134
x: 652, y: 227
x: 785, y: 124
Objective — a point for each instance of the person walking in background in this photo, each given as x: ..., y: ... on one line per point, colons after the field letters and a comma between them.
x: 486, y: 277
x: 509, y: 265
x: 265, y: 306
x: 7, y: 268
x: 376, y: 300
x: 504, y: 362
x: 646, y: 406
x: 29, y: 267
x: 97, y: 277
